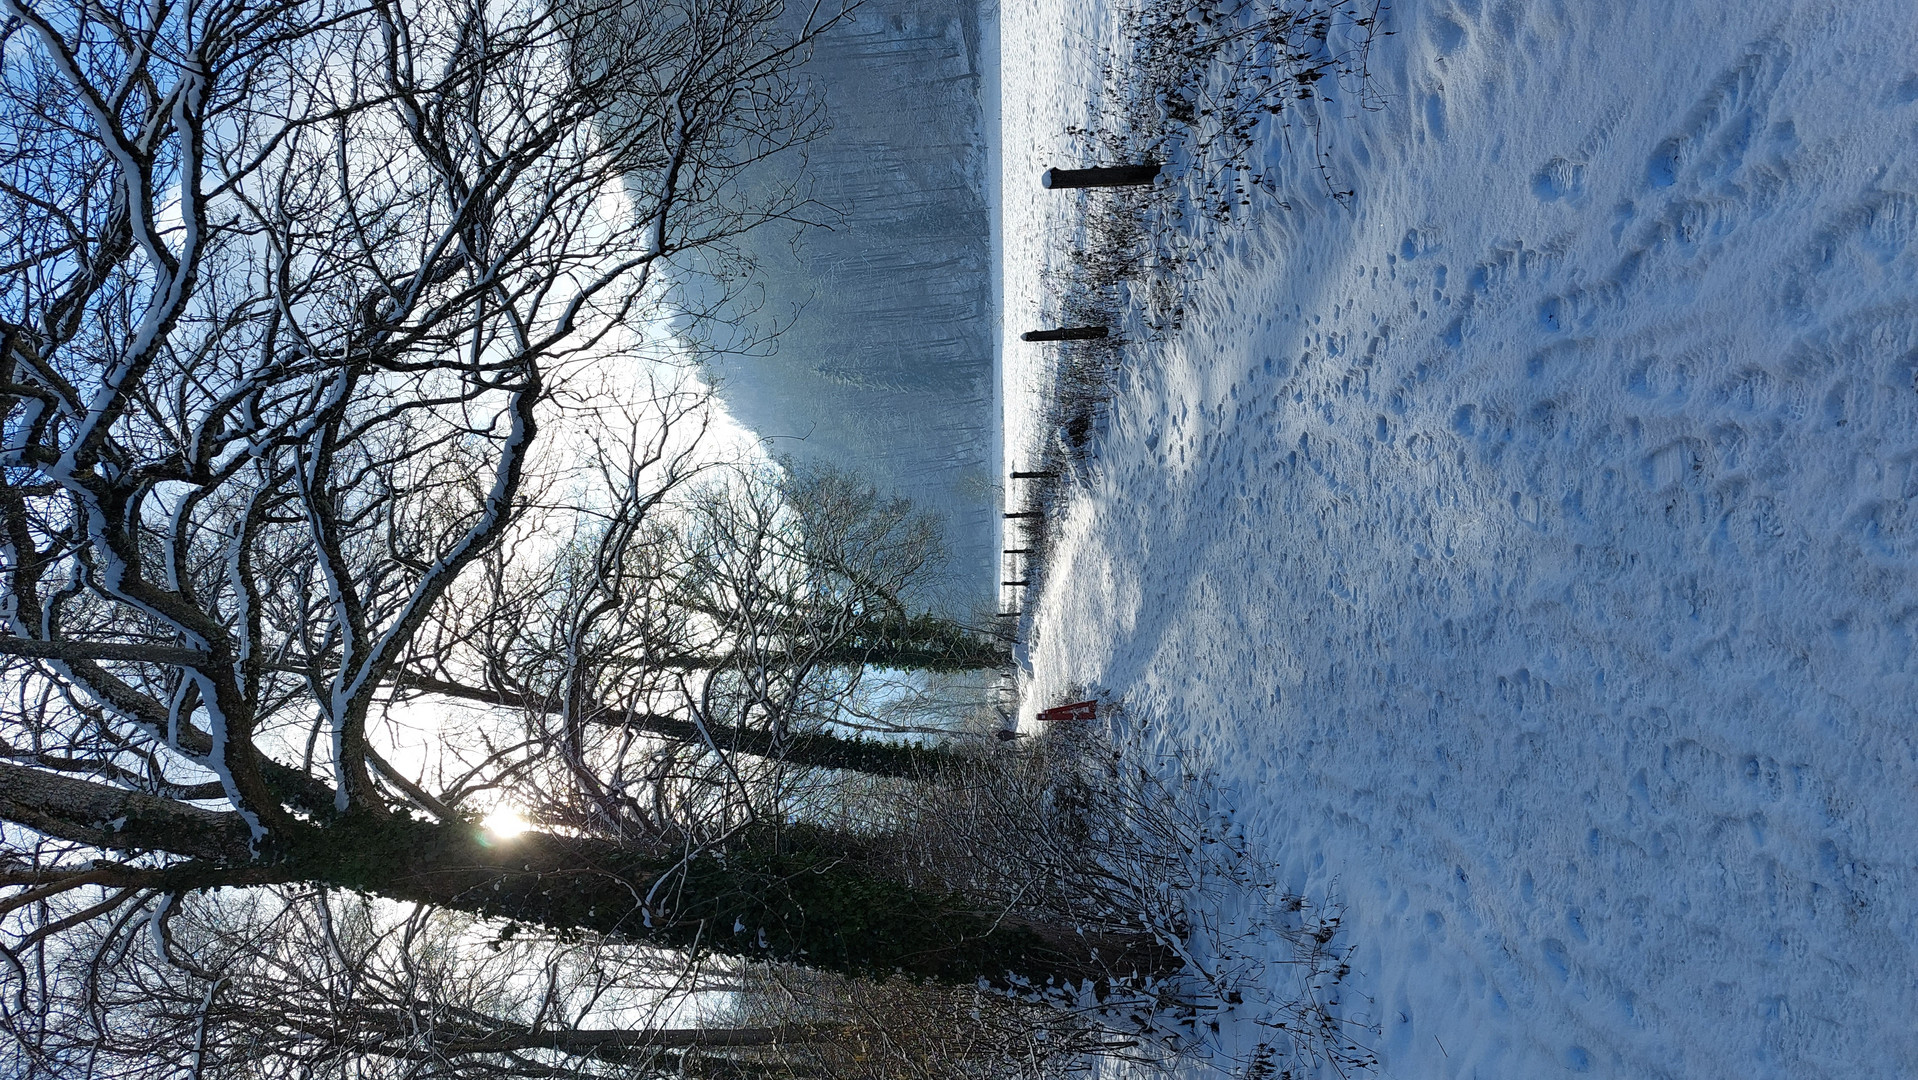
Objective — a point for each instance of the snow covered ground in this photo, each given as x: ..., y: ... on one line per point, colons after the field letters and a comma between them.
x: 1530, y: 546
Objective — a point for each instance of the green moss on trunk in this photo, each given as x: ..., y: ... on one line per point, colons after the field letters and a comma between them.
x: 803, y: 896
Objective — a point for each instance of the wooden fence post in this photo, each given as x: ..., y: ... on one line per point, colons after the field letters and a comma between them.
x: 1106, y: 176
x: 1065, y: 333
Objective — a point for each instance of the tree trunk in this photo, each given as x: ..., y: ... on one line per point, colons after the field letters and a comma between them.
x: 922, y: 643
x: 580, y: 1041
x: 817, y: 750
x: 117, y: 819
x: 800, y: 895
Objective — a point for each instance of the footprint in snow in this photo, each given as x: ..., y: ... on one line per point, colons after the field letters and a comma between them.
x: 1558, y: 179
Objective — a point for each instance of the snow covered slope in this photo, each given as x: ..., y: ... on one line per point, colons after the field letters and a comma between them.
x: 1531, y: 544
x: 883, y: 361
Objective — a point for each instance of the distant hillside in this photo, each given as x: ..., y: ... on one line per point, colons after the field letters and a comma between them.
x: 888, y: 366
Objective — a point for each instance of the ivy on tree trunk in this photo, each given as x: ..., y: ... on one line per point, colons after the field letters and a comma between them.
x: 801, y: 894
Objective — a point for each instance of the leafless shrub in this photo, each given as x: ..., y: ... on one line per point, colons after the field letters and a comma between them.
x: 856, y: 1030
x: 1194, y: 82
x: 1084, y: 827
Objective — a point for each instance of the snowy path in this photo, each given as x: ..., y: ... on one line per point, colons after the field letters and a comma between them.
x: 1532, y: 546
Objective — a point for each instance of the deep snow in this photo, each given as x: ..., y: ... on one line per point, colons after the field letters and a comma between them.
x: 1529, y: 547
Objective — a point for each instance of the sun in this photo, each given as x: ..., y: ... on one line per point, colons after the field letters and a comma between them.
x: 505, y: 822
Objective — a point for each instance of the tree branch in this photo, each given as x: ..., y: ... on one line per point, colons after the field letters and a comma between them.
x: 102, y: 650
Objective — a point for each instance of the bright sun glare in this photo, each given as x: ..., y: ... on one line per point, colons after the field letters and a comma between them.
x: 505, y: 823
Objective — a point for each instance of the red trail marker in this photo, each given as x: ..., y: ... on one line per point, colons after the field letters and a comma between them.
x: 1078, y: 710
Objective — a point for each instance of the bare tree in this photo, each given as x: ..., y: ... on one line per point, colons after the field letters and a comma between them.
x: 270, y: 983
x: 287, y: 293
x: 265, y: 983
x: 739, y: 616
x: 290, y: 291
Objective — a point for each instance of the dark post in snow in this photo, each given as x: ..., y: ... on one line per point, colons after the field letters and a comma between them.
x: 1018, y: 551
x: 1065, y: 333
x: 1107, y: 176
x: 1017, y: 475
x: 1025, y: 514
x: 1015, y: 583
